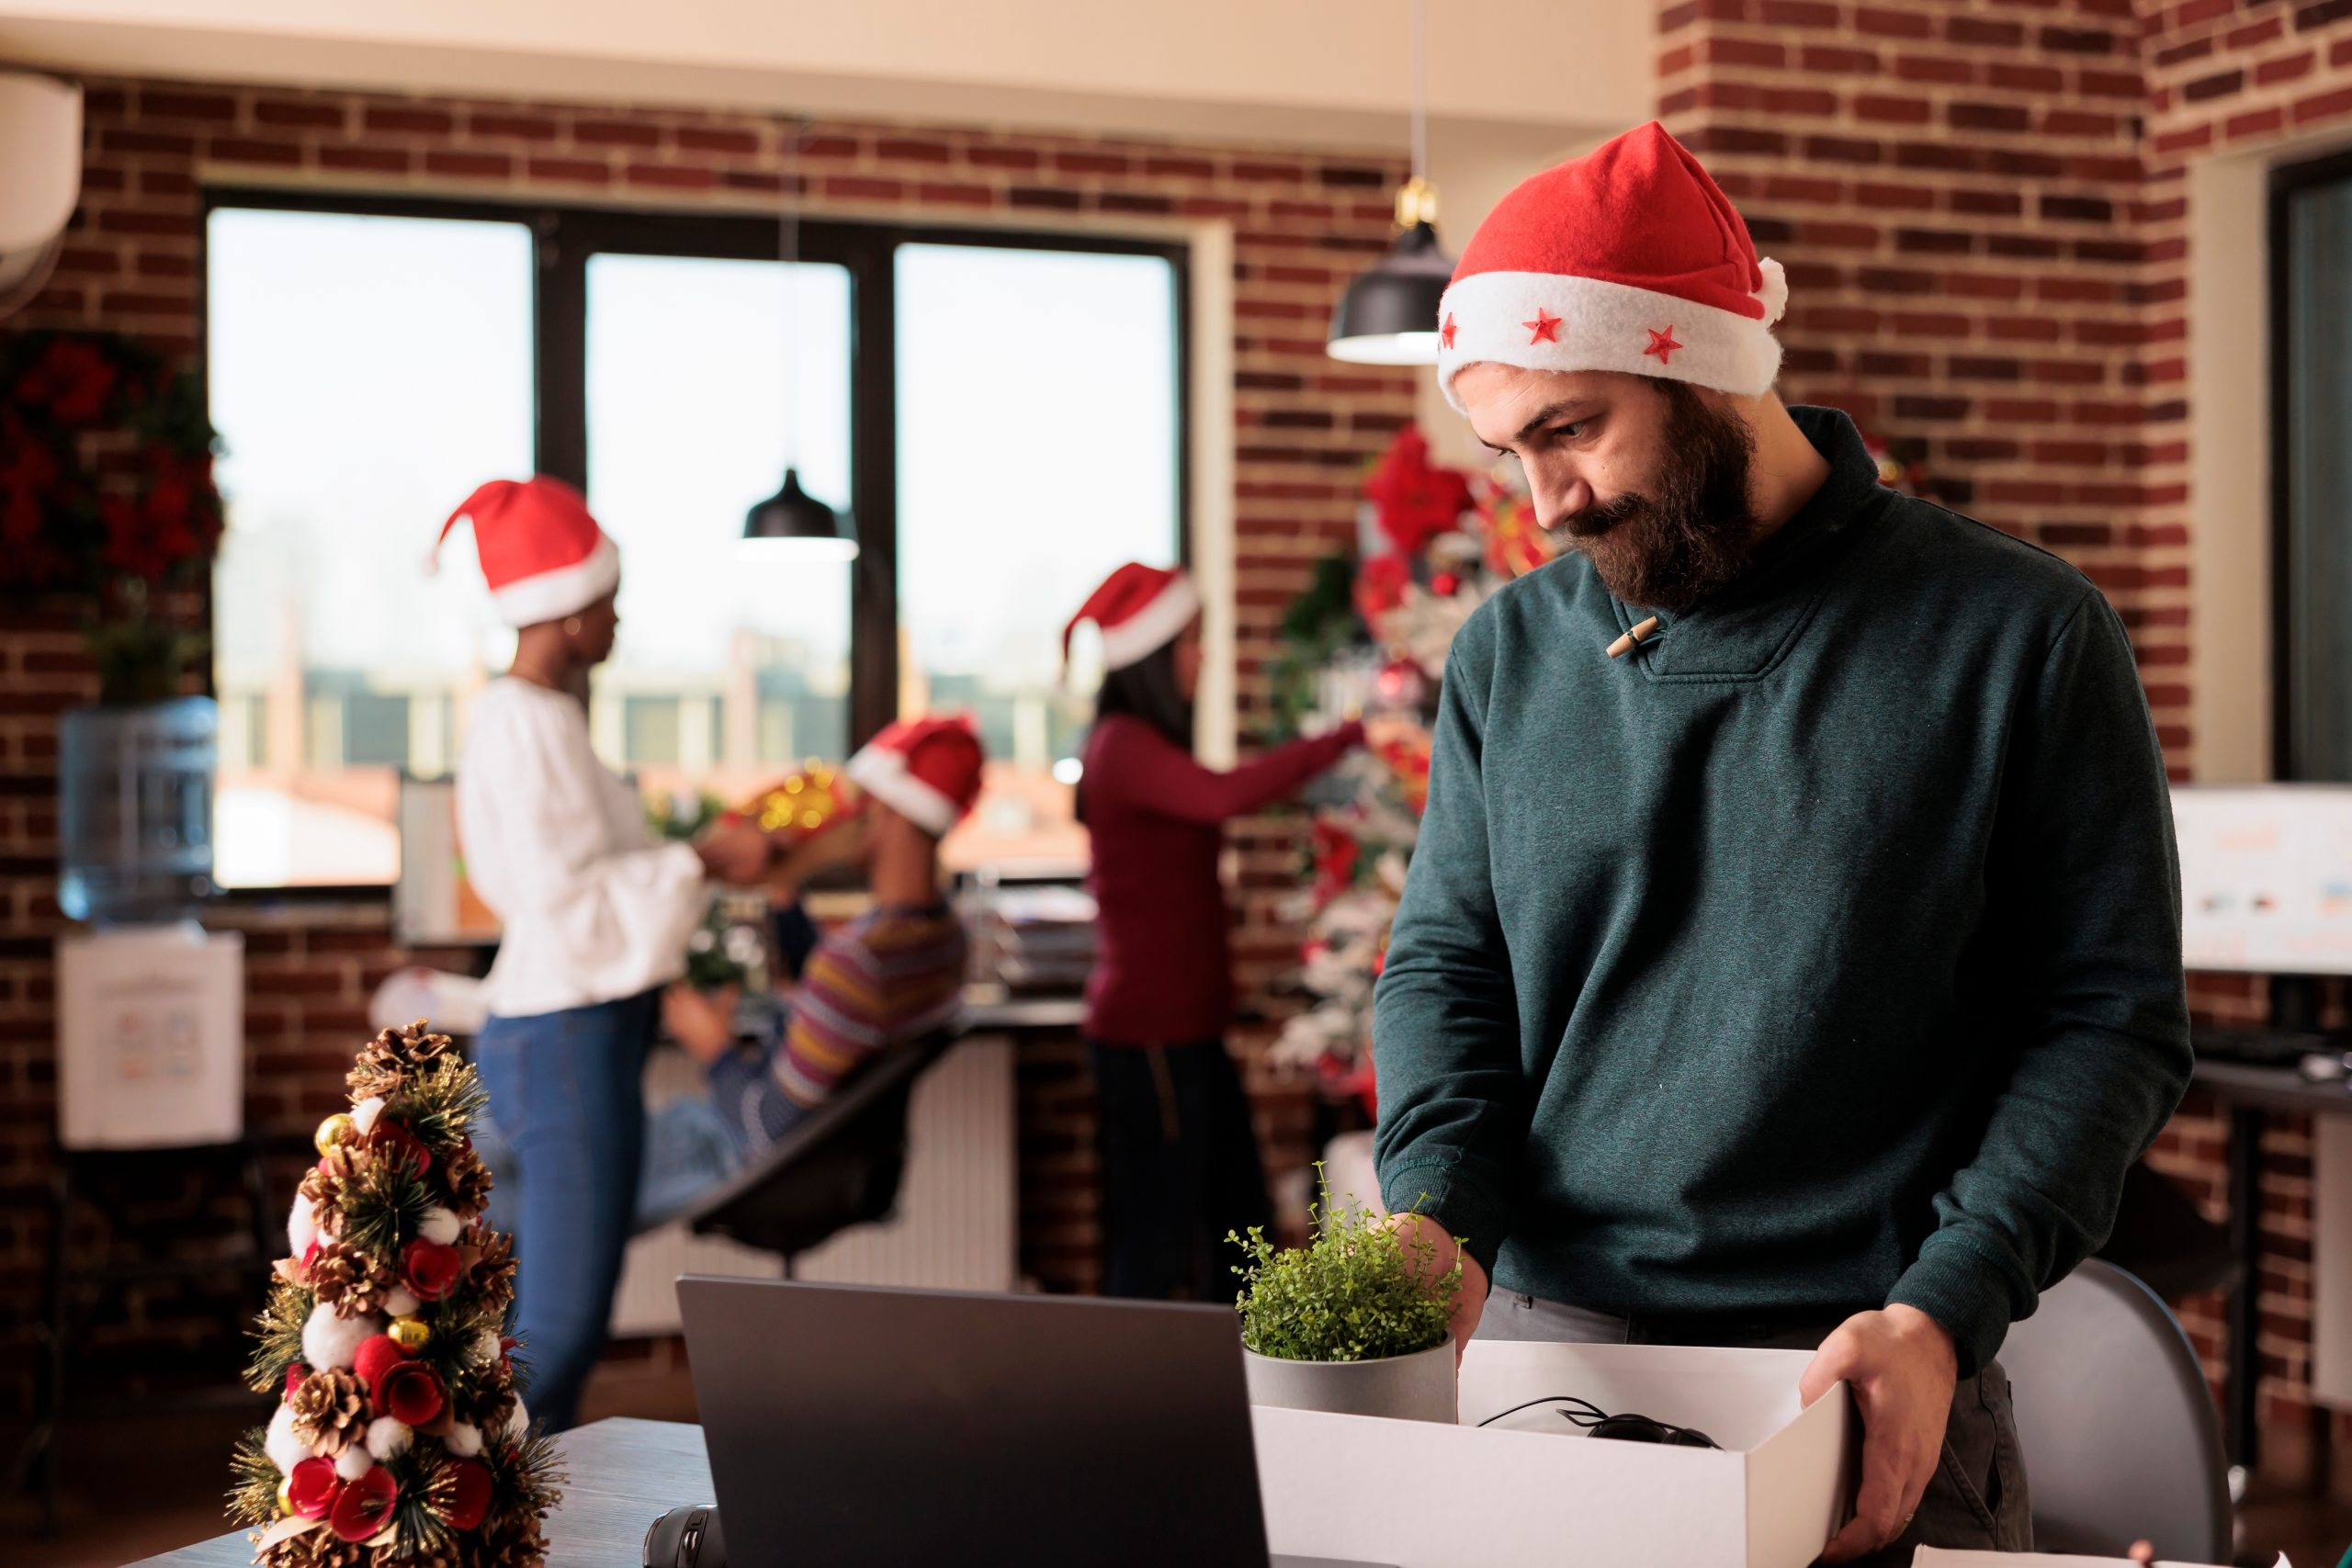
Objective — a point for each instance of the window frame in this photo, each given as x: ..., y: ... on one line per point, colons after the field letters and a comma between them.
x: 2286, y: 182
x: 564, y: 236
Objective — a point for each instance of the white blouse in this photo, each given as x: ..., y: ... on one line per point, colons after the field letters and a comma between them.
x: 594, y: 906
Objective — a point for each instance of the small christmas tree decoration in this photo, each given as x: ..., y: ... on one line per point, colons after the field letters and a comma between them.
x: 400, y: 1439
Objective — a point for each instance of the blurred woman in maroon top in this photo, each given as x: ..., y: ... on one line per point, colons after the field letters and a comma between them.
x: 1178, y: 1155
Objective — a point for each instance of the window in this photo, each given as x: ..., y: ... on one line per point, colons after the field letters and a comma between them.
x: 371, y: 362
x: 2311, y: 233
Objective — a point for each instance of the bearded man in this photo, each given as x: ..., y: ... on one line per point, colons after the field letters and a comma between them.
x: 1792, y: 953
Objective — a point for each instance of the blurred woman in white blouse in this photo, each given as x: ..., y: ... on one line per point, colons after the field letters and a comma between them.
x: 595, y: 916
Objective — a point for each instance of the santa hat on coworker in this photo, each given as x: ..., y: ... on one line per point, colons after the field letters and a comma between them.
x: 1630, y: 258
x: 926, y: 770
x: 543, y: 555
x: 1141, y: 609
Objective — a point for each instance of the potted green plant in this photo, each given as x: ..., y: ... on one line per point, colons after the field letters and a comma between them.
x: 1348, y: 1324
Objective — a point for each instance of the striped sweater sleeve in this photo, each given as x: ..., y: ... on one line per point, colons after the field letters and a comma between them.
x: 878, y: 982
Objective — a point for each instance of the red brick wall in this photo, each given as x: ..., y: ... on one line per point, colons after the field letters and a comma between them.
x: 1303, y: 225
x: 1982, y: 209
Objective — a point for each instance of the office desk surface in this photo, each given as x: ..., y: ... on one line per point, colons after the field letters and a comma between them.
x: 622, y: 1475
x: 2271, y: 1089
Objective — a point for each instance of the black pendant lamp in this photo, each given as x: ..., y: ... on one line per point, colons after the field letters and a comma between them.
x: 1388, y: 316
x: 792, y: 525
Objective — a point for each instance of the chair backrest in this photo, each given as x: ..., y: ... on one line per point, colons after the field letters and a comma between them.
x: 839, y: 1169
x: 2121, y: 1440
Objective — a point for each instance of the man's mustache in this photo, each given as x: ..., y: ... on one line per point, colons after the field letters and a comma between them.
x: 1597, y: 520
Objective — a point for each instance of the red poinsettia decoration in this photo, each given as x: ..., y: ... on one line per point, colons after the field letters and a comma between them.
x: 1380, y: 585
x: 1415, y: 499
x: 1336, y: 853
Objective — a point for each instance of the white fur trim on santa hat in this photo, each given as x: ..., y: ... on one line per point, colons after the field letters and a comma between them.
x: 285, y: 1451
x: 301, y: 1227
x: 387, y: 1438
x: 1610, y: 326
x: 566, y: 591
x: 364, y: 1115
x: 441, y: 1226
x: 464, y: 1439
x: 400, y: 1303
x: 1152, y: 627
x: 332, y: 1341
x: 354, y: 1463
x: 882, y: 772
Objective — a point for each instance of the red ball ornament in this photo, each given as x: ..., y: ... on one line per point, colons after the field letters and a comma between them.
x: 361, y: 1509
x: 467, y: 1486
x: 410, y: 1393
x: 294, y: 1376
x: 313, y: 1488
x: 392, y: 1141
x: 377, y: 1355
x: 1445, y: 584
x: 430, y: 1270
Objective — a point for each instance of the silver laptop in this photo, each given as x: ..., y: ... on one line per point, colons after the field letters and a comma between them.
x: 865, y: 1427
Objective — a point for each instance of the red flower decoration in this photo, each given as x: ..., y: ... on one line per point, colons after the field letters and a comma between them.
x: 393, y: 1141
x: 1380, y: 585
x: 430, y: 1270
x: 410, y: 1393
x: 361, y: 1509
x: 72, y: 381
x: 1336, y: 851
x: 313, y: 1487
x: 468, y: 1494
x: 1415, y: 499
x: 377, y: 1354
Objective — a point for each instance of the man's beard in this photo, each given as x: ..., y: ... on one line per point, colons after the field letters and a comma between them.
x: 1680, y: 543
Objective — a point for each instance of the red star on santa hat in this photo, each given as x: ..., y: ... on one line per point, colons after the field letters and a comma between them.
x: 1662, y: 343
x: 1546, y: 326
x: 1445, y: 333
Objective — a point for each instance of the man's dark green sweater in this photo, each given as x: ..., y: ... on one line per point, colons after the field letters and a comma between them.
x: 1820, y: 954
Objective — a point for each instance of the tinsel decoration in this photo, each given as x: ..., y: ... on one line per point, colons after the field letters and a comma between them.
x: 400, y: 1439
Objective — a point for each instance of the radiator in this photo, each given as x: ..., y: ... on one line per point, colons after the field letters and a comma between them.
x: 954, y: 1224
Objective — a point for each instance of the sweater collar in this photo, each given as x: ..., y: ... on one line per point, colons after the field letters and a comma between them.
x: 1745, y: 628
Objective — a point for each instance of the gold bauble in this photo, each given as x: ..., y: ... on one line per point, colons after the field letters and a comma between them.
x: 332, y: 1130
x: 409, y: 1334
x: 286, y: 1495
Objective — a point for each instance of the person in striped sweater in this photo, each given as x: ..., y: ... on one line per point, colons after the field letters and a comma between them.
x: 892, y: 975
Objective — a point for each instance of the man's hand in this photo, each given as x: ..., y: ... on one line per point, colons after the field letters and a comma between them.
x: 1902, y: 1367
x: 734, y: 852
x: 1417, y: 1233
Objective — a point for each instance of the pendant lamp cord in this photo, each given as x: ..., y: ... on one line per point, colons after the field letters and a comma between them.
x: 791, y: 257
x: 1421, y: 90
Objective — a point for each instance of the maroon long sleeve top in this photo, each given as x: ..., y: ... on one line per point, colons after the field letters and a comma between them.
x: 1163, y: 965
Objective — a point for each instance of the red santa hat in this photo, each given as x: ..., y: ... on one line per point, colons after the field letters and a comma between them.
x: 1141, y: 610
x: 1629, y: 258
x: 927, y: 770
x: 542, y: 553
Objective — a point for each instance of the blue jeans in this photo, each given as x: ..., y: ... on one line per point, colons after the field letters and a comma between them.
x: 567, y: 1089
x: 689, y: 1149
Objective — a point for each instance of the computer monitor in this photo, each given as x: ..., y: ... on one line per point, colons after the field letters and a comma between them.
x: 2266, y: 877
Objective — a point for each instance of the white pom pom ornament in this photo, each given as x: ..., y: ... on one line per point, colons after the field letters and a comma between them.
x: 285, y: 1448
x: 332, y: 1341
x: 364, y: 1115
x: 354, y: 1463
x: 301, y: 1228
x: 518, y: 1425
x: 441, y: 1226
x: 398, y: 1302
x: 464, y: 1439
x: 387, y: 1438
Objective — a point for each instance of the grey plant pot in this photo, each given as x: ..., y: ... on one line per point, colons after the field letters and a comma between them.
x: 1419, y: 1387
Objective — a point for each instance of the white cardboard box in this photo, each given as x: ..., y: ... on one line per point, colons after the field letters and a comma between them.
x: 1534, y: 1489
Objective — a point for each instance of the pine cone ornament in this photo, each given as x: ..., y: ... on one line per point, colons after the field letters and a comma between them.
x: 392, y: 1057
x: 388, y: 1556
x: 468, y: 1178
x: 330, y: 1411
x: 512, y: 1542
x: 352, y: 1281
x: 317, y: 1548
x: 493, y: 1271
x: 326, y: 1183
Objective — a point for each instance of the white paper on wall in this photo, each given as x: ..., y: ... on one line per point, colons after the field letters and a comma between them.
x: 149, y: 1037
